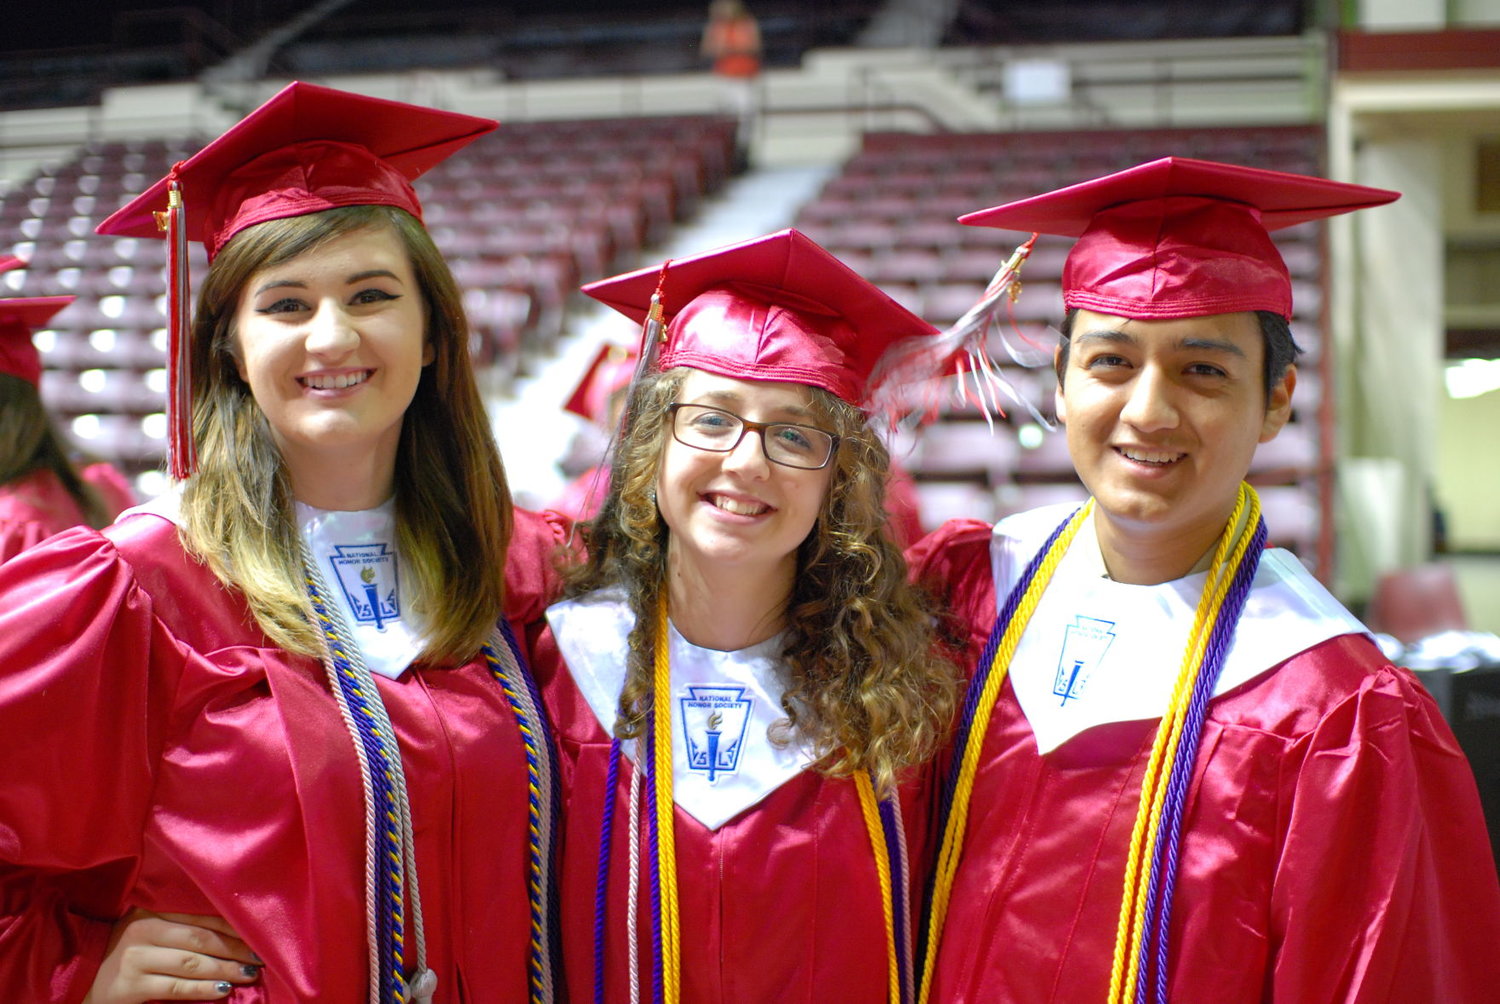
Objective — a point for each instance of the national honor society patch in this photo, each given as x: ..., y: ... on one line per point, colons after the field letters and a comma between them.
x: 359, y: 547
x: 713, y: 726
x: 1084, y: 643
x: 368, y: 576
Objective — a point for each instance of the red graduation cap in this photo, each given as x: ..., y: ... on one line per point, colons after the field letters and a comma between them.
x: 19, y: 317
x: 609, y: 371
x: 777, y: 307
x: 1178, y: 237
x: 307, y: 149
x: 10, y: 261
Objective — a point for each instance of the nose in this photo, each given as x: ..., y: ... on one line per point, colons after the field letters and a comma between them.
x: 330, y: 331
x: 1150, y: 405
x: 748, y: 457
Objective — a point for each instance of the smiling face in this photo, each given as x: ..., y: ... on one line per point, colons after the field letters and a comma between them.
x: 332, y: 344
x: 1162, y: 419
x: 738, y: 507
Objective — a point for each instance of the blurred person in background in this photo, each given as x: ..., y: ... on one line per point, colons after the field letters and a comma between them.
x: 44, y: 489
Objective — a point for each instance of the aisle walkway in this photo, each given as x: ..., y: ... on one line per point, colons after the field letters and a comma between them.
x: 529, y: 423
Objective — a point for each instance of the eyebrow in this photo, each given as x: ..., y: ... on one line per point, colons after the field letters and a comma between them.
x: 1115, y: 336
x: 373, y: 273
x: 727, y: 397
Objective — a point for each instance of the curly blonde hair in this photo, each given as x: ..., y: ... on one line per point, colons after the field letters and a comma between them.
x: 869, y: 689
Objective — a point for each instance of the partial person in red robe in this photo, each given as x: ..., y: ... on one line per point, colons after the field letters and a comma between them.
x: 744, y: 686
x: 597, y: 399
x: 42, y: 490
x: 1184, y: 771
x: 243, y: 722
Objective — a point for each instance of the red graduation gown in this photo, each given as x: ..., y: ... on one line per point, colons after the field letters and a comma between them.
x: 781, y: 904
x: 162, y: 753
x: 1333, y: 845
x: 36, y: 505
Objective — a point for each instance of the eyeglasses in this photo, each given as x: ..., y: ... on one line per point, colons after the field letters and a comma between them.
x: 720, y: 431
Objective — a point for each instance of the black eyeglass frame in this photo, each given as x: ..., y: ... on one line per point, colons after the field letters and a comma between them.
x: 759, y: 428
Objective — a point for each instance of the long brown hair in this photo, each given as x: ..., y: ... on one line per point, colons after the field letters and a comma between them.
x: 29, y: 441
x: 453, y: 510
x: 868, y: 689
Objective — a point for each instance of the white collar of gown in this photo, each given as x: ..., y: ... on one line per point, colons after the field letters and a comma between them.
x: 1097, y: 651
x: 723, y: 704
x: 356, y: 552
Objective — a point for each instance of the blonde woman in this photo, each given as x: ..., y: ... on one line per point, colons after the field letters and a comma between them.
x: 280, y: 697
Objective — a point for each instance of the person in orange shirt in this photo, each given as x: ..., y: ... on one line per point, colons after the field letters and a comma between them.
x: 731, y: 38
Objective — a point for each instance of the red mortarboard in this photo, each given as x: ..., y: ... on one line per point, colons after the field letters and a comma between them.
x: 1178, y: 237
x: 608, y: 372
x: 10, y: 261
x: 18, y: 319
x: 777, y: 307
x: 307, y: 149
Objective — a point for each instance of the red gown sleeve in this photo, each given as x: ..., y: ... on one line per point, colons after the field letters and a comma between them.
x: 1385, y: 889
x: 16, y: 537
x: 88, y: 676
x: 540, y: 545
x: 952, y: 564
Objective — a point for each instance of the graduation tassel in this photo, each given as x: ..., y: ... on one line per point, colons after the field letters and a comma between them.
x: 181, y: 454
x: 652, y: 329
x: 903, y: 380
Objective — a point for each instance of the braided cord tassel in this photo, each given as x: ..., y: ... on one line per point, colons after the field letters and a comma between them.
x: 979, y: 703
x: 383, y: 851
x: 503, y: 657
x: 1135, y: 900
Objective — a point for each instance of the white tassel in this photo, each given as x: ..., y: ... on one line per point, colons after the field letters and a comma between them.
x: 906, y: 382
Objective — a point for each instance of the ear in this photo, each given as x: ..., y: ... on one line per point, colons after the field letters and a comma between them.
x: 1279, y: 405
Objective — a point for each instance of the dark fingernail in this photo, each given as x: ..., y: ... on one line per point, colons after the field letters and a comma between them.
x: 222, y: 987
x: 250, y: 972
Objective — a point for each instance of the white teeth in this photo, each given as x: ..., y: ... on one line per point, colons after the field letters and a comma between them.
x: 1147, y: 457
x: 336, y: 382
x: 737, y: 507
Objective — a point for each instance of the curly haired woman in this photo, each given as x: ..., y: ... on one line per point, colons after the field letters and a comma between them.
x: 751, y: 688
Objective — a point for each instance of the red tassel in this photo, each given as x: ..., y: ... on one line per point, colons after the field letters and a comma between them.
x: 653, y: 330
x: 182, y: 458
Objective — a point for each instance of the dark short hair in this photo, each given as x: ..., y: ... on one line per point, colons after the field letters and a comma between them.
x: 1282, y: 349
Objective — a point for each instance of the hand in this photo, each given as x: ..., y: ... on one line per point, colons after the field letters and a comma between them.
x: 172, y: 957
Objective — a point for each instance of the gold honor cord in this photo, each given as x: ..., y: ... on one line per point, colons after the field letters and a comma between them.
x: 1145, y: 835
x: 661, y: 713
x: 951, y: 849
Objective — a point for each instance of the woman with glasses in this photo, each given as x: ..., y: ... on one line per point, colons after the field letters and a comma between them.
x: 743, y: 684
